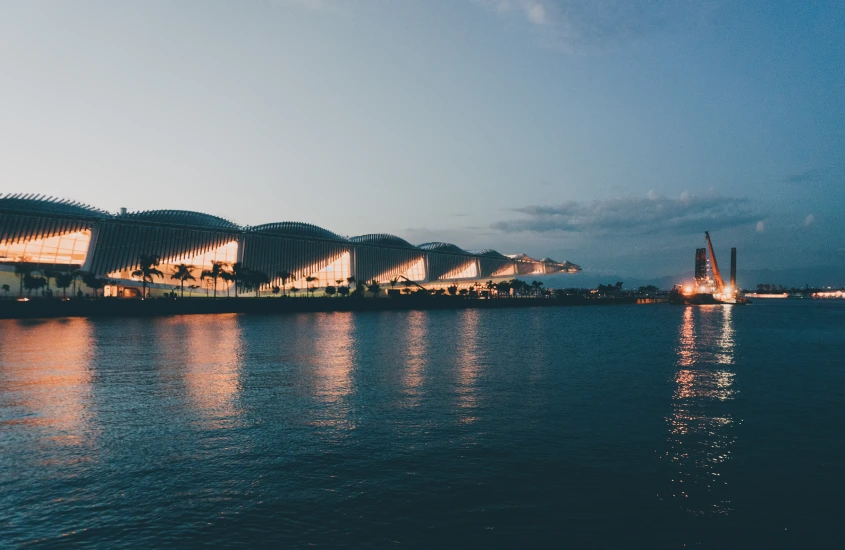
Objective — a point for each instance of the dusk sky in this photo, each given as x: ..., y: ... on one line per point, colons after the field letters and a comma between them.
x: 611, y: 134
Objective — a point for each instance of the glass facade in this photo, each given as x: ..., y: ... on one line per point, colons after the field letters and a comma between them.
x: 60, y: 250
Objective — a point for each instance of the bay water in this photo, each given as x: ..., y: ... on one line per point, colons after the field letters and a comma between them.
x: 651, y: 426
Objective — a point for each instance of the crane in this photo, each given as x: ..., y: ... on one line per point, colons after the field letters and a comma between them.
x: 717, y: 276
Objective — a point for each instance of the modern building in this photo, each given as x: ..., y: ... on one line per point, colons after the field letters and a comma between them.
x: 62, y: 235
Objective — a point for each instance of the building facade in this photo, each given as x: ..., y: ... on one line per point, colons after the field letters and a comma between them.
x: 61, y: 235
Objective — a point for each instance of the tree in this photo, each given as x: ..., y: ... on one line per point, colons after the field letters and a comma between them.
x: 284, y: 275
x: 93, y: 282
x: 463, y: 292
x: 343, y: 290
x: 213, y: 274
x: 182, y: 273
x: 23, y: 269
x: 255, y: 280
x: 229, y: 278
x: 308, y: 280
x: 350, y: 280
x: 240, y: 276
x: 393, y: 282
x: 452, y: 289
x: 31, y: 283
x: 503, y: 288
x: 6, y: 289
x: 191, y: 289
x: 276, y: 289
x: 97, y: 283
x: 48, y: 274
x: 537, y: 286
x: 330, y: 291
x: 63, y: 281
x: 489, y: 285
x: 294, y: 290
x: 147, y: 270
x: 374, y: 288
x: 77, y: 275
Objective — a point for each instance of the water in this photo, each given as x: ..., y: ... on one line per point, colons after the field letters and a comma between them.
x: 628, y: 426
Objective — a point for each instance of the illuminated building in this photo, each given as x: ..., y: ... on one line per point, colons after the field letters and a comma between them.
x: 64, y: 235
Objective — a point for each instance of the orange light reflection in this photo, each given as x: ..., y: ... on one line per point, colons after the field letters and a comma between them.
x: 700, y: 427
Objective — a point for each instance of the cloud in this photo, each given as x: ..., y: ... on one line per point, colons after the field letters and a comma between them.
x: 578, y: 25
x: 816, y: 176
x: 635, y: 215
x: 809, y: 220
x: 537, y: 14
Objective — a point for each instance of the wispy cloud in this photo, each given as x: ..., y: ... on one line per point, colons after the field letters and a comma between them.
x: 636, y: 215
x: 579, y: 25
x: 817, y: 176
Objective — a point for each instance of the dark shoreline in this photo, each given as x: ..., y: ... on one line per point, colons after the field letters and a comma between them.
x: 113, y: 307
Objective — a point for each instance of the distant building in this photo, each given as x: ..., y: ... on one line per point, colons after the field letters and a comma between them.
x: 63, y: 235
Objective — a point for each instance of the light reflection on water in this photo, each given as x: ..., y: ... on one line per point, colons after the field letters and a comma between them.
x: 416, y: 350
x: 48, y: 374
x: 701, y: 427
x: 212, y: 367
x: 430, y: 429
x: 469, y: 369
x: 325, y: 348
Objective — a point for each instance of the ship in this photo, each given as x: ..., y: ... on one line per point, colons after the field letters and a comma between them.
x: 708, y: 286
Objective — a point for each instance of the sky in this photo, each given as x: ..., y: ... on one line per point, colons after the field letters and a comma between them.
x: 608, y: 133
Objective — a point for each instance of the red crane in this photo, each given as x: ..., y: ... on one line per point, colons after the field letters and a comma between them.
x: 717, y: 276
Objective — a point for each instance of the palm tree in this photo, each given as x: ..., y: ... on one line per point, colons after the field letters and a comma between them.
x: 182, y: 273
x: 240, y: 275
x: 294, y: 290
x: 489, y: 285
x: 23, y: 269
x: 452, y: 289
x: 393, y: 282
x: 374, y: 287
x: 310, y: 289
x: 228, y: 277
x: 276, y: 289
x: 147, y: 270
x: 503, y: 289
x: 63, y: 281
x: 284, y: 275
x: 331, y: 291
x: 6, y: 289
x: 213, y: 274
x: 343, y: 290
x: 536, y: 285
x: 256, y: 279
x: 191, y: 289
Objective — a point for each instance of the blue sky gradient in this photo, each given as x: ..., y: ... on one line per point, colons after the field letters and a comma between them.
x: 611, y: 134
